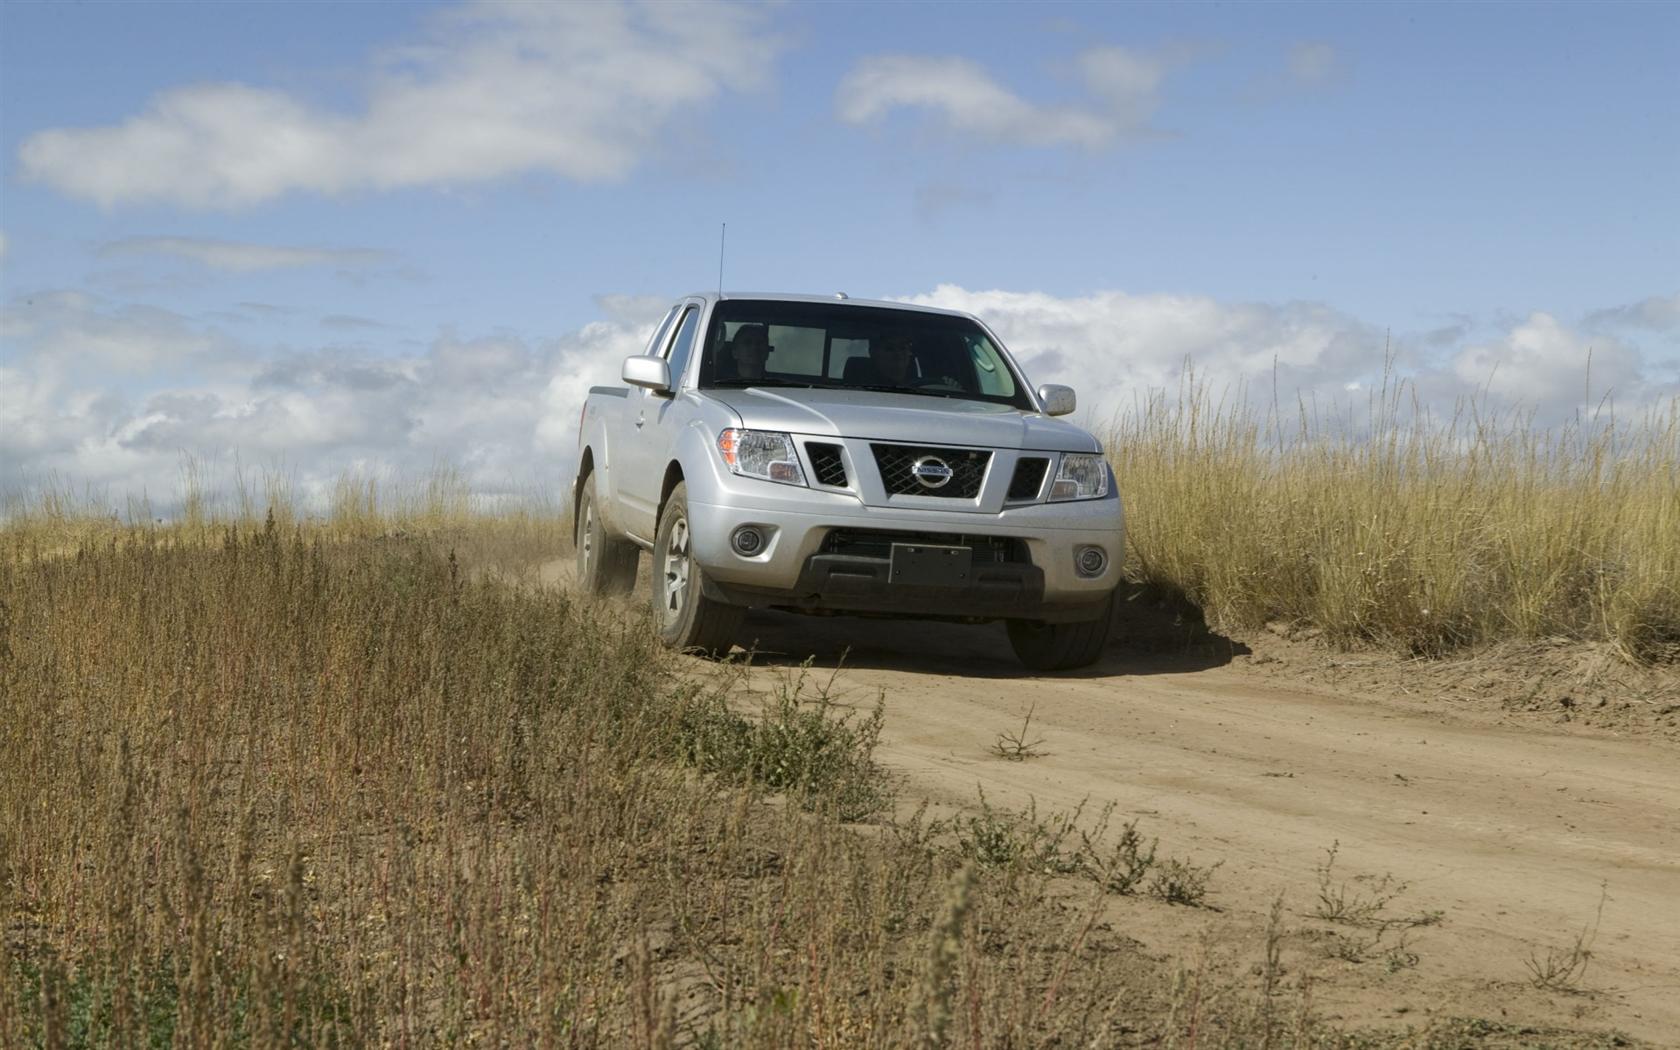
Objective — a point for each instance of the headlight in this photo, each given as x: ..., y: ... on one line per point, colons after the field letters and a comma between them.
x: 1081, y: 476
x: 761, y: 454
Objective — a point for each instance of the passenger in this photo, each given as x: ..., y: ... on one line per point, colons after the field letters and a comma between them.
x: 750, y: 348
x: 893, y: 356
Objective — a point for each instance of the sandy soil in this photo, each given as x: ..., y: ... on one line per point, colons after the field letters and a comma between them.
x: 1496, y: 804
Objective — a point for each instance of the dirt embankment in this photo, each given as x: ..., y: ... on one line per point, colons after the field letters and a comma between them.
x: 1509, y: 792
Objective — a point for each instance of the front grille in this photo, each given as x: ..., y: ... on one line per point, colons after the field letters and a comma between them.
x: 1029, y: 477
x: 827, y: 464
x: 968, y: 467
x: 877, y: 543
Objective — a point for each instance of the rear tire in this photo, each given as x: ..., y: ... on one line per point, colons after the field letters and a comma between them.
x: 688, y: 620
x: 1061, y: 646
x: 605, y: 565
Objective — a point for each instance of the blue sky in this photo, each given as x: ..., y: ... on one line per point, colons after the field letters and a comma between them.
x: 368, y: 236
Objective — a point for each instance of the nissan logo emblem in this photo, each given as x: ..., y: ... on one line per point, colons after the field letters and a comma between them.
x: 931, y: 471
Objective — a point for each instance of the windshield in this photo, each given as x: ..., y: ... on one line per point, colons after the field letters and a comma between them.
x: 765, y: 343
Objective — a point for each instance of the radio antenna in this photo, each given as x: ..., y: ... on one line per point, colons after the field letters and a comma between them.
x: 723, y: 232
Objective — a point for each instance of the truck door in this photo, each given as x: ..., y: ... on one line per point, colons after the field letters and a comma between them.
x: 650, y: 431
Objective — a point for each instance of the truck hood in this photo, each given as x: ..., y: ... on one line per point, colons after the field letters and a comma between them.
x: 882, y: 416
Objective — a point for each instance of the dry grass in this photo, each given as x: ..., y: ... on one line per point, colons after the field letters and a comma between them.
x: 275, y: 788
x: 279, y: 789
x: 1393, y: 528
x: 509, y: 538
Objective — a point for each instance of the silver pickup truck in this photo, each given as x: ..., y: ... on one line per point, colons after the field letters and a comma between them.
x: 831, y: 455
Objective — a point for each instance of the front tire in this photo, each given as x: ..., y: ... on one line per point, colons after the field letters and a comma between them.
x: 688, y: 620
x: 604, y: 565
x: 1061, y: 646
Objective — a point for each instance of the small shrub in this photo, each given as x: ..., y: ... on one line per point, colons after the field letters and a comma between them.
x: 1561, y: 969
x: 1121, y: 868
x: 1348, y: 905
x: 1017, y: 746
x: 1181, y: 882
x: 996, y: 838
x: 809, y: 747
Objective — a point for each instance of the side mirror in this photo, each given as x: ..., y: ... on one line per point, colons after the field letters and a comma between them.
x: 651, y: 372
x: 1057, y: 399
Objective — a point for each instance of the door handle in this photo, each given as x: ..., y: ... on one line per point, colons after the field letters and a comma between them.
x: 640, y: 419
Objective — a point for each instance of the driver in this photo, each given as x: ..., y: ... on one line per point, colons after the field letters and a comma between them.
x: 750, y: 347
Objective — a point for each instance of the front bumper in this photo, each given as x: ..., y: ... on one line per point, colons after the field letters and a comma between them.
x: 834, y: 583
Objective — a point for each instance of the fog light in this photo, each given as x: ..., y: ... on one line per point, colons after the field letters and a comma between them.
x: 747, y: 541
x: 1091, y: 561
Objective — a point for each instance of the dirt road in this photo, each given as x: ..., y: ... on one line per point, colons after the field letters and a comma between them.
x: 1510, y: 831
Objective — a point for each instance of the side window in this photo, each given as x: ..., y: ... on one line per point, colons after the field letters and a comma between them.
x: 683, y: 345
x: 658, y: 338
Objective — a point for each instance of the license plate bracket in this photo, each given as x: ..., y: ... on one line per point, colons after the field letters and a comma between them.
x: 931, y: 565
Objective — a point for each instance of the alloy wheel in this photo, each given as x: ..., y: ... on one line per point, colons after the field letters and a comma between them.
x: 586, y: 541
x: 676, y: 570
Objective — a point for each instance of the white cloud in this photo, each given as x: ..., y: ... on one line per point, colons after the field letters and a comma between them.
x: 633, y: 309
x: 502, y: 409
x: 968, y: 100
x: 1307, y: 66
x: 1313, y: 62
x: 238, y: 256
x: 496, y: 88
x: 1115, y: 349
x: 1659, y: 313
x: 1123, y: 86
x: 1128, y: 83
x: 1543, y: 364
x: 78, y: 335
x: 352, y: 323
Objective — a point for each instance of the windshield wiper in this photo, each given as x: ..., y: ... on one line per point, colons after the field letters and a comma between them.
x: 922, y: 391
x: 743, y: 381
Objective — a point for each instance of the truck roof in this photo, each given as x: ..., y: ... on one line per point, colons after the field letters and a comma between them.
x: 840, y: 298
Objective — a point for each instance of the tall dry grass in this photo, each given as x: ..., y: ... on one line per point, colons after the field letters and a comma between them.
x: 511, y: 536
x: 1392, y: 527
x: 254, y: 790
